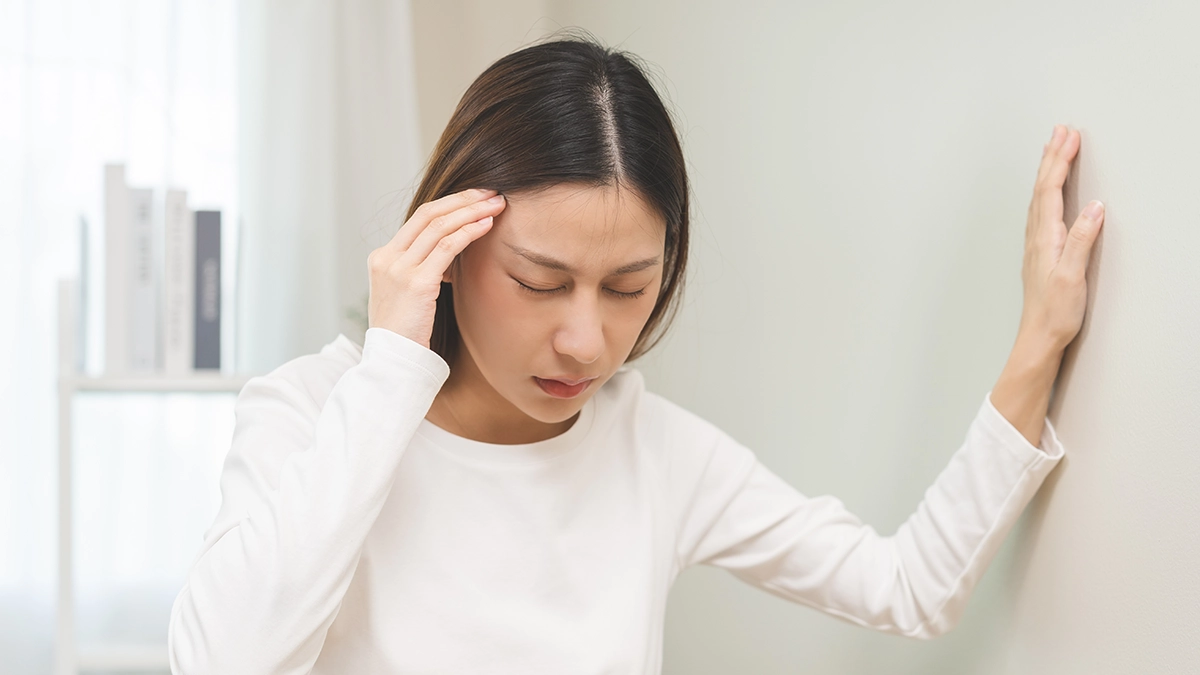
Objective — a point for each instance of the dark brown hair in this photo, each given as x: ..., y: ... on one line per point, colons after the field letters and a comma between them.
x: 567, y: 110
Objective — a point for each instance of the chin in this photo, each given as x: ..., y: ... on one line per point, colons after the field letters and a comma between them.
x: 549, y: 410
x: 553, y: 411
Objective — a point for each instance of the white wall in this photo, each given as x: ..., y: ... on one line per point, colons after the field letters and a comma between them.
x: 862, y: 173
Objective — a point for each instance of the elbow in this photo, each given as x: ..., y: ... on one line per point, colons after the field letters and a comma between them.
x: 920, y: 610
x: 927, y: 629
x: 190, y: 650
x: 945, y: 619
x: 185, y: 642
x: 209, y: 635
x: 930, y: 630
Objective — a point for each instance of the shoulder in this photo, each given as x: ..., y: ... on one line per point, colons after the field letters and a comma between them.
x: 305, y: 380
x: 276, y: 414
x: 657, y: 421
x: 698, y: 461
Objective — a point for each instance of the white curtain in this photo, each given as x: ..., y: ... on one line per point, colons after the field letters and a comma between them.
x: 330, y: 162
x: 297, y: 120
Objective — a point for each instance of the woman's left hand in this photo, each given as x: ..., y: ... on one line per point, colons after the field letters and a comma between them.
x: 1055, y: 258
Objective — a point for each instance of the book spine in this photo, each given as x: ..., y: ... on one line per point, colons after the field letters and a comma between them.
x: 116, y: 288
x: 143, y: 285
x: 68, y: 297
x: 179, y: 243
x: 81, y: 314
x: 208, y: 290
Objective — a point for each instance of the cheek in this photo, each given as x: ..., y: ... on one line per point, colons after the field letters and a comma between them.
x: 494, y: 318
x: 635, y: 318
x: 641, y: 308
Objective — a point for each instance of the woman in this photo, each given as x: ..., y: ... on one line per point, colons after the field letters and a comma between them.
x: 485, y: 485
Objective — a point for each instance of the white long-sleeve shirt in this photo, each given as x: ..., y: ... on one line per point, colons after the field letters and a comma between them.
x: 355, y: 536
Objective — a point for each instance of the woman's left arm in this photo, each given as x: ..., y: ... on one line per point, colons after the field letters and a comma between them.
x: 1055, y: 290
x: 734, y: 513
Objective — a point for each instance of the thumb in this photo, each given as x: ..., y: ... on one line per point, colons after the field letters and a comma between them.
x: 1081, y: 238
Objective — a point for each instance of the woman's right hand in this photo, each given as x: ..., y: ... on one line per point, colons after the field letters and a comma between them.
x: 405, y: 274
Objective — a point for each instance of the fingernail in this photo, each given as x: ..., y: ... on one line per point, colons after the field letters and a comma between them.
x: 1094, y: 209
x: 1054, y: 134
x: 497, y: 199
x: 483, y: 192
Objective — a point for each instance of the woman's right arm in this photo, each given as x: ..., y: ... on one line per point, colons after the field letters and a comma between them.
x: 300, y: 491
x: 304, y: 483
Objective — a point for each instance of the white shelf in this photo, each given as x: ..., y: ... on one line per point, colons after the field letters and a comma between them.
x: 71, y: 657
x: 156, y: 383
x: 123, y: 657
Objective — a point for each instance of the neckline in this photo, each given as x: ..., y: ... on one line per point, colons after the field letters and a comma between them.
x: 479, y: 452
x: 537, y: 452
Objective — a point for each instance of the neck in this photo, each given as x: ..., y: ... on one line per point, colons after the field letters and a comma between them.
x: 468, y: 406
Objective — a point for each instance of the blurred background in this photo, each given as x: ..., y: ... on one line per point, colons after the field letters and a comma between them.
x: 861, y: 174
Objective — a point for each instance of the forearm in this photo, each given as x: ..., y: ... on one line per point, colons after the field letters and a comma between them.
x: 1022, y: 393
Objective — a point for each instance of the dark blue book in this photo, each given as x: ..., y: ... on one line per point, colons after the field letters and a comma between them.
x: 208, y: 290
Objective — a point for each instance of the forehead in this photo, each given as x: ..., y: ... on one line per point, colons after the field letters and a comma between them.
x: 589, y: 227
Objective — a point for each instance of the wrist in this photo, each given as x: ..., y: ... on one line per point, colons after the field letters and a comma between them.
x: 1022, y: 392
x: 1036, y: 338
x: 1035, y: 352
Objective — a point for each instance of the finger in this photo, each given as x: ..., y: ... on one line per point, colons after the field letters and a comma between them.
x: 1081, y: 237
x: 1047, y: 154
x: 425, y: 213
x: 449, y: 246
x: 1049, y: 192
x: 1060, y: 159
x: 445, y: 225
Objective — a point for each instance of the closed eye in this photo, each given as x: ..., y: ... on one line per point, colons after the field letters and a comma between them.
x: 549, y: 291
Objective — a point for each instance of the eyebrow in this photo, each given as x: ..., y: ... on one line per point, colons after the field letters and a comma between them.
x: 551, y: 263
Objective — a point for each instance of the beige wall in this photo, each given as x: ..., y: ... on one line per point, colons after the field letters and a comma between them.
x: 455, y: 40
x: 861, y: 174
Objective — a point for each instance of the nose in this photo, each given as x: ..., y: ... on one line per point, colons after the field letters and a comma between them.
x: 581, y: 334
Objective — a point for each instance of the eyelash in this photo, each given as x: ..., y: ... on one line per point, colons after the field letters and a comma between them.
x: 546, y: 291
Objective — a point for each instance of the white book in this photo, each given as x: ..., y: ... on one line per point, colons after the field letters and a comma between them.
x: 143, y: 282
x: 81, y: 322
x: 179, y: 261
x: 116, y: 268
x: 68, y: 312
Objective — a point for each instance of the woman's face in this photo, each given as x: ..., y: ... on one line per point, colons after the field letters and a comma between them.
x: 597, y: 256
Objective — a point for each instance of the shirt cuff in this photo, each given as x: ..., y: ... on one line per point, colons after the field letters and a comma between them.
x: 1049, y: 446
x: 380, y: 342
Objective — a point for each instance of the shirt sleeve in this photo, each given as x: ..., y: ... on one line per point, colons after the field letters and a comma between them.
x: 301, y: 487
x: 741, y: 517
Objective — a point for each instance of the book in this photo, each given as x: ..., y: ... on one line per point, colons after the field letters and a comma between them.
x: 207, y: 292
x: 82, y: 300
x: 143, y: 282
x: 179, y: 246
x: 116, y: 245
x: 68, y: 311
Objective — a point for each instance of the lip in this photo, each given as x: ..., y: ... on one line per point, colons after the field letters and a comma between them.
x: 569, y: 381
x: 563, y: 388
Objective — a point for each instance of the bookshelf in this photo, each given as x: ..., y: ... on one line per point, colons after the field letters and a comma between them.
x: 71, y: 657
